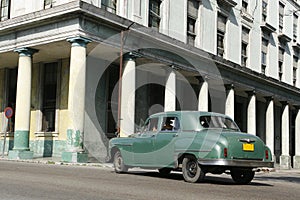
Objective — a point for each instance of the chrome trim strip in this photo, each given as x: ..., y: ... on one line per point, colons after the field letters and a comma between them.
x: 246, y: 140
x: 190, y: 150
x: 236, y: 163
x: 120, y: 144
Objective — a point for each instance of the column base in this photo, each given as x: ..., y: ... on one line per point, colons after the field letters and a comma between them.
x: 296, y: 162
x: 285, y: 162
x: 74, y: 157
x: 20, y: 155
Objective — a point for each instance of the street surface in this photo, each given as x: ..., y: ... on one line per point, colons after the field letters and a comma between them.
x: 24, y: 181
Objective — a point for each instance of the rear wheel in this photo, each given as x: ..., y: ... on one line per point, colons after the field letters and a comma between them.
x: 242, y: 176
x: 119, y: 163
x: 191, y: 170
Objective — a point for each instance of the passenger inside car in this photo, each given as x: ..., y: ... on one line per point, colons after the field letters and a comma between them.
x: 167, y: 126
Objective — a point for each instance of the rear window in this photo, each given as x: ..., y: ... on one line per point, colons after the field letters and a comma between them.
x: 218, y: 122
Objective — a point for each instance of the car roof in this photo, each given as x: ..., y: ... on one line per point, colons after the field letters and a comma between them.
x: 182, y: 113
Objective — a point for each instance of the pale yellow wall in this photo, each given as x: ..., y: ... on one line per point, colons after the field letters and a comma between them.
x: 64, y: 88
x: 63, y: 98
x: 35, y: 84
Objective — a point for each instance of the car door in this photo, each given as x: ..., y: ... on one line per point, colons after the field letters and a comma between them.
x: 143, y: 144
x: 164, y: 141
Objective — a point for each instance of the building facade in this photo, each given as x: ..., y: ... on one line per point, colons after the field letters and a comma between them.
x: 61, y: 60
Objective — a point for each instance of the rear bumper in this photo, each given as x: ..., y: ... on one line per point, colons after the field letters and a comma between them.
x: 236, y: 163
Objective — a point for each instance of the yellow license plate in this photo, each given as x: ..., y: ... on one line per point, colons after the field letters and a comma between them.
x: 248, y: 147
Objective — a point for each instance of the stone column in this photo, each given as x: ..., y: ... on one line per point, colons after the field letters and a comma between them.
x: 297, y: 140
x: 23, y: 103
x: 270, y: 125
x: 76, y: 101
x: 170, y: 92
x: 285, y: 158
x: 229, y: 104
x: 203, y: 95
x: 128, y: 96
x: 251, y: 113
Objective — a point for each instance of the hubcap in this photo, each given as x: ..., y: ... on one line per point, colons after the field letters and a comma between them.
x: 192, y: 168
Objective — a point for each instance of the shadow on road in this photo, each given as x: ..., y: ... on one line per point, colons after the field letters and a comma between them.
x: 279, y: 178
x: 208, y: 179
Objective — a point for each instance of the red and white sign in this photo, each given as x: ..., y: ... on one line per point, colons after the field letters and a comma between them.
x: 8, y: 112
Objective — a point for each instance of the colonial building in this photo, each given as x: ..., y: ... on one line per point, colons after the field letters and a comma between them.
x: 61, y: 60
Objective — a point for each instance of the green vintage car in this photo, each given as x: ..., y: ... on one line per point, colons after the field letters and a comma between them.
x: 194, y: 142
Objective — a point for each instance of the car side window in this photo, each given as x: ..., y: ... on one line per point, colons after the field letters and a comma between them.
x: 170, y: 124
x: 152, y: 125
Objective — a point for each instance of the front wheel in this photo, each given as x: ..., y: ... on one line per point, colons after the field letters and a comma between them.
x: 242, y: 176
x: 119, y: 163
x: 191, y: 170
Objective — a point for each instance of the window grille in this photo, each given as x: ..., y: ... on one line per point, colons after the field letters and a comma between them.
x: 192, y: 13
x: 264, y: 10
x: 245, y: 41
x: 109, y: 5
x: 281, y: 14
x: 295, y: 69
x: 295, y: 27
x: 49, y: 96
x: 245, y: 5
x: 264, y: 53
x: 154, y: 13
x: 5, y: 10
x: 221, y: 25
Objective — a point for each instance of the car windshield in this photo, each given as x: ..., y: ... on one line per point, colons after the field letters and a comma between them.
x: 218, y: 122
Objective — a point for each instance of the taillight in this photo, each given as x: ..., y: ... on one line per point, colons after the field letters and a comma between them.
x: 267, y: 154
x: 225, y: 152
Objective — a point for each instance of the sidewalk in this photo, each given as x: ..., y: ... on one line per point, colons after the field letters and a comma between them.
x: 57, y: 161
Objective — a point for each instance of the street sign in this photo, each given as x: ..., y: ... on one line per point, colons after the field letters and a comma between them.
x: 9, y: 112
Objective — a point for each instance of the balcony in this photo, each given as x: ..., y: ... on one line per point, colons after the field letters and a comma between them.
x: 296, y: 46
x: 227, y: 4
x: 284, y: 38
x: 246, y: 17
x: 268, y: 28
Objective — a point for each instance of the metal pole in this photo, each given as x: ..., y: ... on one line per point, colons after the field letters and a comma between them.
x: 4, y: 140
x: 120, y: 83
x: 120, y: 77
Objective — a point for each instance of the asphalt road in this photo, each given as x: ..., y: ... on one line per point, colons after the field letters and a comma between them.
x: 24, y: 181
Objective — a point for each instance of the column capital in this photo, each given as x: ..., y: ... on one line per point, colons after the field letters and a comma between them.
x: 25, y: 51
x: 79, y: 41
x: 131, y: 56
x: 251, y: 92
x: 284, y: 103
x: 202, y: 79
x: 269, y: 98
x: 297, y: 107
x: 229, y: 86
